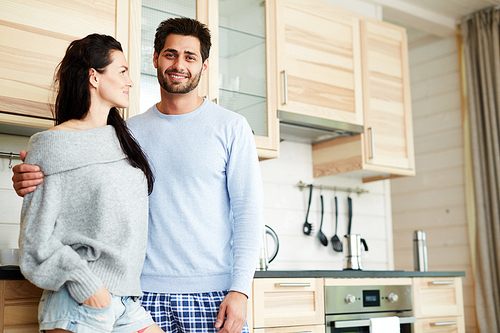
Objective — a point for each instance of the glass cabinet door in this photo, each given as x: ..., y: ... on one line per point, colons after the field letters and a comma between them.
x: 242, y: 61
x: 154, y: 12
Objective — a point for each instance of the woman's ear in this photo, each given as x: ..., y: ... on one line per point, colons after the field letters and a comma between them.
x: 93, y: 79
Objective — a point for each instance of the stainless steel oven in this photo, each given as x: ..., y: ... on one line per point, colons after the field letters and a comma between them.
x: 348, y: 309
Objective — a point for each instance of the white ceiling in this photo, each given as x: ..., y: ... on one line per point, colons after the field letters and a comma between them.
x: 437, y: 18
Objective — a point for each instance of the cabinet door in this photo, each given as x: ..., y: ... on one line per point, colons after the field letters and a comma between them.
x: 35, y: 35
x: 20, y: 306
x: 247, y: 67
x: 319, y: 65
x: 388, y: 133
x: 293, y: 329
x: 288, y: 302
x: 435, y: 297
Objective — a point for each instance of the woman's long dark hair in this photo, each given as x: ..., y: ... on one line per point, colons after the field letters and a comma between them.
x: 73, y: 93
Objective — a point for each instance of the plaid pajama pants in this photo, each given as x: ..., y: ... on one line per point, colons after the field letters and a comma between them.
x: 186, y: 313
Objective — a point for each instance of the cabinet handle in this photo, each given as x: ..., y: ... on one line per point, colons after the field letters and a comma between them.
x: 293, y: 284
x: 372, y: 141
x: 442, y: 282
x: 216, y: 100
x: 285, y: 81
x: 445, y: 323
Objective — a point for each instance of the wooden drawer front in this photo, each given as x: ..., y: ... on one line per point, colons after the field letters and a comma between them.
x: 22, y: 290
x: 21, y: 329
x: 440, y: 324
x: 288, y: 302
x: 434, y: 297
x: 294, y: 329
x: 21, y: 314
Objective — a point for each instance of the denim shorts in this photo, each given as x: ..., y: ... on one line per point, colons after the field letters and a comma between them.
x: 58, y: 309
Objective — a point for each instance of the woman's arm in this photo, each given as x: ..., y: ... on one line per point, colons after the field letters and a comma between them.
x: 45, y: 260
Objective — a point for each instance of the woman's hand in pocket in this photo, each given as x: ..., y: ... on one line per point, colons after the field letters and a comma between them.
x: 100, y: 299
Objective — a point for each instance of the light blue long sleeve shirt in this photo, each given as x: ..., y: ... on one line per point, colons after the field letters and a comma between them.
x: 205, y: 212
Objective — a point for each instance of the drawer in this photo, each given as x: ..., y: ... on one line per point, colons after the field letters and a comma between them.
x: 454, y: 324
x: 21, y: 290
x: 288, y: 302
x: 293, y: 329
x: 436, y: 297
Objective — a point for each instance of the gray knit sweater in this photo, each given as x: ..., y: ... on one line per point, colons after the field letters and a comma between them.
x: 86, y: 226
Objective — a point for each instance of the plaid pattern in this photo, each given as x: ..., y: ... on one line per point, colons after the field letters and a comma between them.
x: 186, y: 313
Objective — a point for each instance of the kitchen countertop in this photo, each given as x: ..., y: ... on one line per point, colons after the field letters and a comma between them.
x: 353, y: 274
x: 13, y: 273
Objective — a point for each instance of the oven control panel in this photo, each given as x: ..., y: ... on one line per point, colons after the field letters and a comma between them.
x: 356, y: 299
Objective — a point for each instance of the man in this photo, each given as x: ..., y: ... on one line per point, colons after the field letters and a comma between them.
x: 205, y: 212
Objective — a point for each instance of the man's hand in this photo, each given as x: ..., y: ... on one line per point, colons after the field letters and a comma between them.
x: 26, y: 177
x: 234, y: 309
x: 100, y: 299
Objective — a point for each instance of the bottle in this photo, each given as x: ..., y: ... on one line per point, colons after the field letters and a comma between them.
x: 419, y: 251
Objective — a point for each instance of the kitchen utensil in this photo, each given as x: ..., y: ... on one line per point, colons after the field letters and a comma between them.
x: 336, y: 243
x: 349, y: 223
x: 9, y: 257
x: 352, y: 252
x: 267, y: 256
x: 307, y: 227
x: 321, y: 235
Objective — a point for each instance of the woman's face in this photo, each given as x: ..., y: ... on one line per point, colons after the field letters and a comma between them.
x: 114, y: 82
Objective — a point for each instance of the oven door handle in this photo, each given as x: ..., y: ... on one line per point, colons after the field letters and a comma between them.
x: 366, y: 322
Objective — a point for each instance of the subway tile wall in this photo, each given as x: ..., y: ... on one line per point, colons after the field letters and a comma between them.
x: 285, y: 207
x: 10, y: 203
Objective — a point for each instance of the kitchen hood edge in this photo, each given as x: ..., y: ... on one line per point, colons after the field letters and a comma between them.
x: 298, y: 127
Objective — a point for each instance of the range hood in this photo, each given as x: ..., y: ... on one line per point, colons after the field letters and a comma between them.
x: 309, y: 129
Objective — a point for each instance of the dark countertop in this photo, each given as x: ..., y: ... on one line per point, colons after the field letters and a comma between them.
x: 10, y: 273
x: 353, y: 274
x: 13, y: 273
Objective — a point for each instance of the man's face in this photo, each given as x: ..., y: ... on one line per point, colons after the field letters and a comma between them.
x: 179, y: 65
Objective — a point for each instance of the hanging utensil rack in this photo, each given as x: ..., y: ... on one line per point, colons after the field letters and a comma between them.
x: 357, y: 190
x: 10, y: 156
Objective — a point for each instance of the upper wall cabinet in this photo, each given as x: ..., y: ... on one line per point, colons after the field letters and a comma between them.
x: 385, y: 149
x: 35, y: 35
x: 319, y: 61
x: 242, y: 64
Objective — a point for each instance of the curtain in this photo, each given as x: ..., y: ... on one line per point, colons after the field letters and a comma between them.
x: 480, y: 33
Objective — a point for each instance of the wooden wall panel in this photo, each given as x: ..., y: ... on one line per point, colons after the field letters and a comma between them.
x: 434, y: 200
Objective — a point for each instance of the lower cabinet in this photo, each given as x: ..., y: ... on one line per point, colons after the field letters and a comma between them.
x: 293, y: 329
x: 288, y: 305
x: 438, y: 305
x: 19, y: 306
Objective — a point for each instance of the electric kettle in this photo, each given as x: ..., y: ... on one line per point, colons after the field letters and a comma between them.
x: 267, y: 255
x: 352, y: 252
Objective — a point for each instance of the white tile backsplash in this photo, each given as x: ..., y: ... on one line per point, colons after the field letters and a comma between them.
x: 285, y: 207
x: 10, y: 203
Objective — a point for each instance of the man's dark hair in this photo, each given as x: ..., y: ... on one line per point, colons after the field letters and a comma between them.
x: 186, y: 27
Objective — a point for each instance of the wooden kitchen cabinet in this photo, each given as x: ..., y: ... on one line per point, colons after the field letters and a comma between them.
x: 288, y: 305
x: 438, y: 305
x: 385, y: 149
x: 35, y: 36
x: 319, y: 61
x: 242, y: 64
x: 19, y: 306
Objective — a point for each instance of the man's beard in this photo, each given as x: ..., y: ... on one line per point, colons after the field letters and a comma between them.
x: 178, y: 88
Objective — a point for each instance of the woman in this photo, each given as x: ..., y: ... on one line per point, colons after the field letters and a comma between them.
x: 83, y: 235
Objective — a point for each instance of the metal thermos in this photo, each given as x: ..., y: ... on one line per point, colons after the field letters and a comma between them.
x: 419, y: 251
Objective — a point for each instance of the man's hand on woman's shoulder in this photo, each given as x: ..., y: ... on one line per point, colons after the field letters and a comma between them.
x: 26, y: 177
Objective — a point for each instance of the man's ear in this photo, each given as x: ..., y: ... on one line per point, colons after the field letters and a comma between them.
x: 93, y: 79
x: 155, y: 59
x: 205, y: 67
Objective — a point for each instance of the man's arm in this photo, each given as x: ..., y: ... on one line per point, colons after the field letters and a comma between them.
x: 26, y: 177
